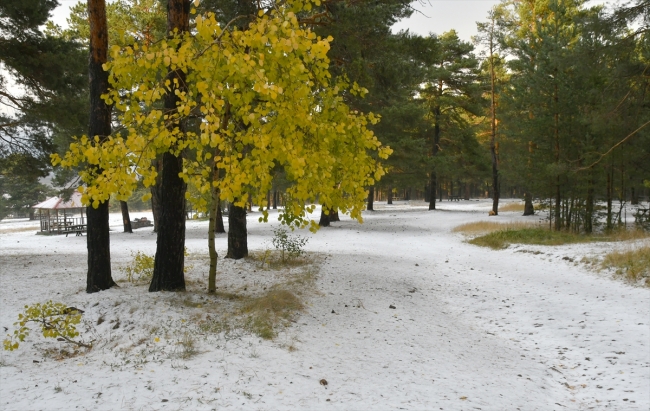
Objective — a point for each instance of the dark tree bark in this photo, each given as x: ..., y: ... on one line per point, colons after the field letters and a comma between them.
x: 493, y: 130
x: 466, y: 197
x: 156, y: 195
x: 389, y: 199
x: 275, y: 199
x: 558, y: 194
x: 212, y: 250
x: 633, y: 197
x: 237, y: 237
x: 168, y: 272
x: 219, y: 227
x: 98, y: 237
x: 609, y: 197
x: 371, y: 199
x: 126, y: 220
x: 528, y: 204
x: 433, y: 178
x: 433, y: 183
x: 334, y: 216
x: 324, y: 218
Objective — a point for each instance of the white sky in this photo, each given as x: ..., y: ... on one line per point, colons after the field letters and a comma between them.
x: 439, y: 16
x: 432, y: 16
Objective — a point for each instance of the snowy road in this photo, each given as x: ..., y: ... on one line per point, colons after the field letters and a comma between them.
x: 519, y: 329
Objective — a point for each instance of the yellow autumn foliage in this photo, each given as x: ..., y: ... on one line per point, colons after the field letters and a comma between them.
x: 260, y: 99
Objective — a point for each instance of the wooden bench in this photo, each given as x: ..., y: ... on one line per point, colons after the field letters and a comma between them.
x: 453, y: 198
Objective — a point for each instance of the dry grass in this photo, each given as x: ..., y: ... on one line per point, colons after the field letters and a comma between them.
x: 268, y: 312
x: 18, y: 230
x: 260, y: 312
x: 633, y: 264
x: 498, y: 236
x: 625, y: 235
x: 479, y: 227
x: 272, y: 260
x: 511, y: 207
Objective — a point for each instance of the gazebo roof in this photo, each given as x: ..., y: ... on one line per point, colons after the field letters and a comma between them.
x: 57, y: 203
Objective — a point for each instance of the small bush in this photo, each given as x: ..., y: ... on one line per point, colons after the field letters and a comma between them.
x: 55, y: 319
x: 140, y: 269
x: 289, y: 246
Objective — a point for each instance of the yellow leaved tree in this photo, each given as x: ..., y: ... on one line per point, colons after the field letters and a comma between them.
x: 261, y: 99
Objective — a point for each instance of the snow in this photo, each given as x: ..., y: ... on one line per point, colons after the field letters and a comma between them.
x: 471, y: 329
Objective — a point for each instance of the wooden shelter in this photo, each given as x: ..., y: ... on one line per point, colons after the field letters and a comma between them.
x: 62, y: 217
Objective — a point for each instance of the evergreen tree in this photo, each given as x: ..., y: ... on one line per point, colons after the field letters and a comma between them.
x: 43, y: 87
x: 451, y: 95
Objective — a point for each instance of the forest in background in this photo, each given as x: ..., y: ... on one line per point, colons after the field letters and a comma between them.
x: 550, y: 101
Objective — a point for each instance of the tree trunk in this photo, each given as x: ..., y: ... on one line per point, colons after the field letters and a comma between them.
x: 528, y: 204
x: 390, y: 195
x: 126, y: 220
x: 371, y: 199
x: 99, y: 256
x: 219, y: 227
x: 212, y: 250
x: 634, y: 198
x: 493, y: 130
x: 610, y: 194
x: 433, y: 183
x: 275, y: 199
x: 156, y: 195
x: 434, y: 151
x: 334, y: 215
x: 556, y: 119
x: 466, y: 197
x: 324, y: 218
x: 237, y: 236
x: 98, y: 236
x: 168, y: 272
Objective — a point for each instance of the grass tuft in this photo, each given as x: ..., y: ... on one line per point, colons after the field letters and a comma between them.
x: 511, y: 207
x: 632, y: 264
x: 267, y: 312
x: 272, y: 260
x: 490, y: 226
x: 502, y: 238
x: 539, y: 236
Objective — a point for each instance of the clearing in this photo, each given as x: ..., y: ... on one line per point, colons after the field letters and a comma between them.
x: 524, y: 328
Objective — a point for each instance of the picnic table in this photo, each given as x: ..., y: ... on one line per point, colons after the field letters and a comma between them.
x: 78, y: 229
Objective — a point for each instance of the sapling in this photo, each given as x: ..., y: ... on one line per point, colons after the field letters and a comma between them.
x: 292, y: 246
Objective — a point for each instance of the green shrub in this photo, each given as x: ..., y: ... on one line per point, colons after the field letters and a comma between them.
x: 291, y: 245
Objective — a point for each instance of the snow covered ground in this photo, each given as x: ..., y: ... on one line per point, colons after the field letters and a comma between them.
x: 526, y: 328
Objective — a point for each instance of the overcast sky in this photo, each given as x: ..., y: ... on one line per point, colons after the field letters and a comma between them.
x: 432, y: 16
